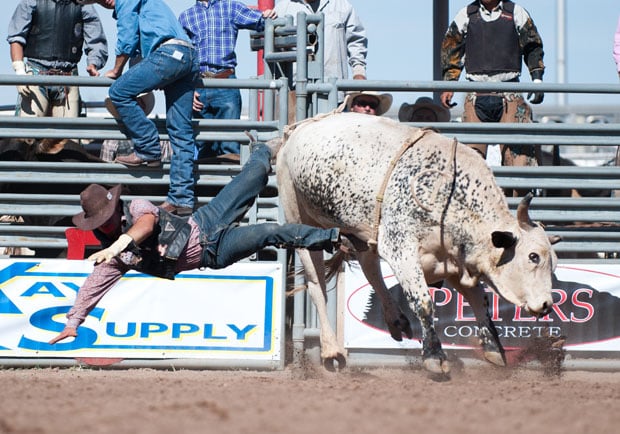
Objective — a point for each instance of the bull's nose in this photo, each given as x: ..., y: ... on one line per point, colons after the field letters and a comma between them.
x: 540, y: 309
x: 546, y: 309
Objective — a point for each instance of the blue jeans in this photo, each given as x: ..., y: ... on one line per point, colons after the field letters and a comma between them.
x: 225, y: 242
x: 218, y: 104
x: 173, y: 68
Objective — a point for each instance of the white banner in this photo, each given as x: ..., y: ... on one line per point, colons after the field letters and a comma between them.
x: 586, y: 313
x: 233, y: 313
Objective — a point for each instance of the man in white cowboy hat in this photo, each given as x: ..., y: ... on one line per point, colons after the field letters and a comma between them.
x: 369, y: 102
x: 423, y: 110
x: 140, y: 236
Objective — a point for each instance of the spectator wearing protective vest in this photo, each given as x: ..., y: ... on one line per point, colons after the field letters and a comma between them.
x: 490, y: 39
x: 141, y: 236
x: 47, y: 37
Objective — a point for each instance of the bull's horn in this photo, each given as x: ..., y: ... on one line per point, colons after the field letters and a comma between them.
x: 523, y: 216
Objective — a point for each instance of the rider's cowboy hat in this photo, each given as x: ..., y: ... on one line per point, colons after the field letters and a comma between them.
x: 98, y: 204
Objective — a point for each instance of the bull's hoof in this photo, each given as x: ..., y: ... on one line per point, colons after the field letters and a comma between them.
x: 337, y: 363
x: 437, y: 366
x: 495, y: 358
x: 399, y: 327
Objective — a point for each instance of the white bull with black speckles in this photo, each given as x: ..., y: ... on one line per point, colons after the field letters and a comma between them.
x: 442, y: 216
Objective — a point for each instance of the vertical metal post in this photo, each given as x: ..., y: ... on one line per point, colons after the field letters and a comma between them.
x: 561, y: 42
x: 299, y: 307
x: 301, y: 74
x: 268, y: 96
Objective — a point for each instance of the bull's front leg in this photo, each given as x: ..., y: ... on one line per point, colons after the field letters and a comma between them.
x: 411, y: 277
x: 433, y: 356
x: 492, y: 348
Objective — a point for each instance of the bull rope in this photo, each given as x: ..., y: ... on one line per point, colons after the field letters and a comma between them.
x: 372, y: 242
x: 443, y: 173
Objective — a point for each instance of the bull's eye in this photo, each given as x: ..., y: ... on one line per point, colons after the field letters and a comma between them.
x: 534, y: 258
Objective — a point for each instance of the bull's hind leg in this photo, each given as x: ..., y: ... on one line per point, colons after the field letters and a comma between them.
x: 492, y: 348
x: 396, y: 321
x: 315, y: 278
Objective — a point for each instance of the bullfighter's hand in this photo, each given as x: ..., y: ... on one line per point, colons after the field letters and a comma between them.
x: 114, y: 250
x: 359, y: 77
x: 68, y: 332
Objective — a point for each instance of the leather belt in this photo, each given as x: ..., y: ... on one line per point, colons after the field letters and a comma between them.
x: 54, y: 72
x: 221, y: 74
x: 175, y: 41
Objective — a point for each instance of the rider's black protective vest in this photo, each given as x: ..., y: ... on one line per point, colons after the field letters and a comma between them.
x: 170, y: 237
x: 492, y: 47
x: 56, y: 31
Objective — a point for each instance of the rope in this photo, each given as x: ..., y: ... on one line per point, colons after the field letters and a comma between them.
x: 372, y: 242
x: 443, y: 173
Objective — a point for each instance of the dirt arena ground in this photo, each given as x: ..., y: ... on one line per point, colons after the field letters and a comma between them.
x: 377, y: 400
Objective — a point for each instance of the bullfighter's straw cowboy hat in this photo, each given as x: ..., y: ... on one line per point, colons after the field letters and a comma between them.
x: 385, y: 100
x: 145, y: 100
x: 98, y: 206
x: 407, y: 112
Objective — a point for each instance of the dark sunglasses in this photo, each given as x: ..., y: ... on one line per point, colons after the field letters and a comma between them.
x: 371, y: 103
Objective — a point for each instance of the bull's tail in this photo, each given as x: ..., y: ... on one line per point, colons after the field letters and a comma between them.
x: 333, y: 265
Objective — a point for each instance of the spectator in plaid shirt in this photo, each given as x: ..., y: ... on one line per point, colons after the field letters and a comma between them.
x: 213, y: 26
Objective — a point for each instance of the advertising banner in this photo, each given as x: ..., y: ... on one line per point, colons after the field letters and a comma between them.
x: 231, y: 313
x: 586, y: 313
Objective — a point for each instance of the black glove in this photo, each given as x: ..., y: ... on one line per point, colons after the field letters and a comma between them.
x: 536, y: 97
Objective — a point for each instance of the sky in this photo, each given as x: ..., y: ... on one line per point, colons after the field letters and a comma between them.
x: 400, y: 44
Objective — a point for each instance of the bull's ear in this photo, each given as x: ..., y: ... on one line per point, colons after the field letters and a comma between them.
x: 503, y: 240
x: 554, y: 239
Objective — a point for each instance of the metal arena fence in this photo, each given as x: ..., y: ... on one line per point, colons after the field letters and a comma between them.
x: 46, y: 194
x: 563, y: 211
x: 589, y: 226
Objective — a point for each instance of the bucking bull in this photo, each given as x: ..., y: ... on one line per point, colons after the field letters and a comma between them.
x: 426, y: 204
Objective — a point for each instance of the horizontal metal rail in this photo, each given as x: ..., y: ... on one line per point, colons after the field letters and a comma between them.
x: 108, y: 128
x: 554, y: 212
x: 33, y: 172
x: 558, y: 177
